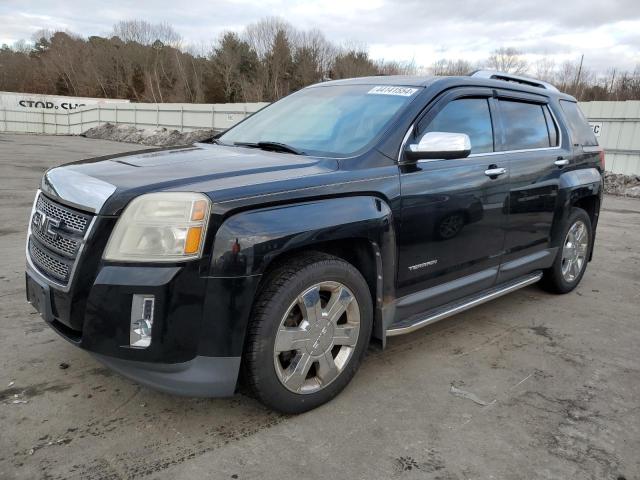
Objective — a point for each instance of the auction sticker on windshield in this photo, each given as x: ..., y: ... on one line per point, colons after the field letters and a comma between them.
x: 391, y: 90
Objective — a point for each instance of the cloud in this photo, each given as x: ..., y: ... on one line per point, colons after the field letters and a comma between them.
x: 393, y: 29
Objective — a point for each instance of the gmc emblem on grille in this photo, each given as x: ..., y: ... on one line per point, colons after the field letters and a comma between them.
x: 45, y: 225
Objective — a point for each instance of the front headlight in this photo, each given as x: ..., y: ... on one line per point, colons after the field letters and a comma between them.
x: 160, y: 227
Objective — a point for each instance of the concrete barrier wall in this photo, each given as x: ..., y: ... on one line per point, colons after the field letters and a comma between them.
x: 178, y: 116
x: 617, y: 126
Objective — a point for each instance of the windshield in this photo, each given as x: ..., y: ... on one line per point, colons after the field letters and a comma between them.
x: 334, y: 120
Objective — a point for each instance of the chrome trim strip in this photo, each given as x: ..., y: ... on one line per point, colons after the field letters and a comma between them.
x: 514, y: 151
x: 34, y: 269
x: 404, y: 142
x: 392, y: 332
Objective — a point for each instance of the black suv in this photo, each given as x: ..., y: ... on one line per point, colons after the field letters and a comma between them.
x: 350, y: 210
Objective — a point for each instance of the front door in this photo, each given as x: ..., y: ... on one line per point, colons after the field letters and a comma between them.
x: 454, y: 212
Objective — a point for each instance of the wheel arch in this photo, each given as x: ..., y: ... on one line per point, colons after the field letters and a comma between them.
x: 581, y: 188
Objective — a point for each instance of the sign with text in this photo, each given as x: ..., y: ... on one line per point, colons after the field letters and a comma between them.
x: 50, y: 103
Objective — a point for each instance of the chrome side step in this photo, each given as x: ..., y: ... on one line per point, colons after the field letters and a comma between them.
x: 461, y: 307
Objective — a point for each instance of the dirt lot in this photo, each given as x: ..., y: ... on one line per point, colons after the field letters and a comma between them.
x: 544, y: 386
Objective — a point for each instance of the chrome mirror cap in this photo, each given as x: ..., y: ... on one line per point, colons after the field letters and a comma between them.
x: 440, y: 145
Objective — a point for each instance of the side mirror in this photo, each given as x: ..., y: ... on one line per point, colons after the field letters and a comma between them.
x: 440, y: 145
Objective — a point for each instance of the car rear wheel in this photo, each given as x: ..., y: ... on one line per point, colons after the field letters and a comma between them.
x: 310, y: 328
x: 571, y: 261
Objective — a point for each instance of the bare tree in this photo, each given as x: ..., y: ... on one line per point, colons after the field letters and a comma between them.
x: 544, y: 69
x: 147, y: 62
x: 508, y: 60
x: 146, y: 33
x: 392, y: 67
x: 444, y: 67
x: 260, y: 35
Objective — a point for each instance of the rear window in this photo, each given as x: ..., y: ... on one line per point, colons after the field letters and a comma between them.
x: 525, y: 125
x: 581, y: 132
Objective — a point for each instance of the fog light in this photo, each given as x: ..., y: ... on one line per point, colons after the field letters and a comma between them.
x: 141, y: 320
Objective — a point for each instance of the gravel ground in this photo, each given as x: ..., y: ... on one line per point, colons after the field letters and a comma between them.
x: 531, y: 385
x: 619, y: 184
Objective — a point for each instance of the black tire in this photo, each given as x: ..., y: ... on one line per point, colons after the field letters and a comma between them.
x: 281, y: 289
x: 554, y: 280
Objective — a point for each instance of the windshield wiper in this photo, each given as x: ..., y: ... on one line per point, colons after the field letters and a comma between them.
x: 271, y: 146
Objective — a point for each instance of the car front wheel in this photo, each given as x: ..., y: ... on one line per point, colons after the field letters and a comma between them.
x: 310, y: 328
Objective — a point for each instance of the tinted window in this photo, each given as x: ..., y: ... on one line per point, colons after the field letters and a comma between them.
x: 552, y: 127
x: 581, y: 132
x: 467, y: 115
x: 524, y: 125
x: 333, y: 120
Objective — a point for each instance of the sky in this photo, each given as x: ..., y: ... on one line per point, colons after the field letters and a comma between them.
x: 607, y: 32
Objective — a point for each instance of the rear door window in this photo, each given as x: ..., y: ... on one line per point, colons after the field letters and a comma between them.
x: 581, y: 132
x: 466, y: 115
x: 524, y: 124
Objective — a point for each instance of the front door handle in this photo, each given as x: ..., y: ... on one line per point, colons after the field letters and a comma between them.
x: 495, y: 172
x: 561, y: 162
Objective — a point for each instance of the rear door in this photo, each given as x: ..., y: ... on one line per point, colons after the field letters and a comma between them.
x: 453, y: 213
x: 530, y: 141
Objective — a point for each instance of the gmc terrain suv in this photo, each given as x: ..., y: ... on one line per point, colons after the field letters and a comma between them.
x: 349, y: 210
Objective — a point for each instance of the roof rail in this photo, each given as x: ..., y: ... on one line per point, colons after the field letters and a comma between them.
x: 508, y: 77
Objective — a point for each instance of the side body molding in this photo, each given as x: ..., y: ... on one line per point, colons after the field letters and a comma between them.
x: 247, y: 243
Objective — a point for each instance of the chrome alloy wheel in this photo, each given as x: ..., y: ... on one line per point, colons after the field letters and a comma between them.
x: 316, y: 337
x: 574, y: 251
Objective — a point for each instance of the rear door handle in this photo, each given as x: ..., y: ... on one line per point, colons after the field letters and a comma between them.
x: 495, y: 172
x: 561, y: 162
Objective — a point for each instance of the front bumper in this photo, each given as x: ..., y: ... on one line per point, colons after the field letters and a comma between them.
x: 198, y: 329
x: 200, y: 377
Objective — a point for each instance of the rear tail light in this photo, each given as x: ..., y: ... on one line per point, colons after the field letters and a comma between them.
x: 602, y: 161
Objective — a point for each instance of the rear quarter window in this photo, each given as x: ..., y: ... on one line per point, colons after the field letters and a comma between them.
x: 581, y: 132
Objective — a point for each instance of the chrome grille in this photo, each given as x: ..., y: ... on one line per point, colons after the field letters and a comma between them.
x: 48, y: 264
x: 57, y: 233
x: 75, y: 221
x: 65, y: 245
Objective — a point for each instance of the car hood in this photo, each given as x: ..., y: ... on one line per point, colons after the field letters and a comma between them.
x: 106, y: 184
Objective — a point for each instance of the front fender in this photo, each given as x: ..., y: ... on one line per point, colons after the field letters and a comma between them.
x: 248, y: 242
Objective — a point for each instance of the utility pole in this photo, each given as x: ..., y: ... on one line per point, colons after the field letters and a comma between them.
x: 577, y: 82
x: 579, y: 70
x: 613, y: 80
